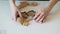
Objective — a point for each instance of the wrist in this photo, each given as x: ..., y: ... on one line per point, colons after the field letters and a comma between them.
x: 12, y: 2
x: 50, y: 5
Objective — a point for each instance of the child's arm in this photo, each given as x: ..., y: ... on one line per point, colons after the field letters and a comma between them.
x: 14, y: 10
x: 51, y: 4
x: 12, y: 2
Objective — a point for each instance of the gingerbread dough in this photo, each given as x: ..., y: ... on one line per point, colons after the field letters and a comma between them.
x: 26, y: 17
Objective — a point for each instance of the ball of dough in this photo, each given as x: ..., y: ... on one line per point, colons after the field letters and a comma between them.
x: 20, y: 20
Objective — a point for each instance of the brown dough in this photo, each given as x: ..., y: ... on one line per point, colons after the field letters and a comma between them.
x: 34, y: 3
x: 24, y: 14
x: 31, y: 13
x: 23, y: 4
x: 25, y: 19
x: 20, y: 20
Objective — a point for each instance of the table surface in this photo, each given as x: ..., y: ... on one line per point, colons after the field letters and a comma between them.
x: 50, y: 26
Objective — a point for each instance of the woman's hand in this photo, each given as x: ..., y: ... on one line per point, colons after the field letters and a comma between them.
x: 41, y: 14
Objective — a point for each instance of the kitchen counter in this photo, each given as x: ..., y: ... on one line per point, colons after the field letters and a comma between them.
x: 50, y: 26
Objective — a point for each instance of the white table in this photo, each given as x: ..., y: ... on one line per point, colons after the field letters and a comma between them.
x: 51, y: 26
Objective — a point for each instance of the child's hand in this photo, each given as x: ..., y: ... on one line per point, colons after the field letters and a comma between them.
x: 41, y: 14
x: 15, y: 10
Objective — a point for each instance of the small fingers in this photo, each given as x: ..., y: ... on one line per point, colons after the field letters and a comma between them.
x: 14, y: 17
x: 42, y: 19
x: 41, y: 15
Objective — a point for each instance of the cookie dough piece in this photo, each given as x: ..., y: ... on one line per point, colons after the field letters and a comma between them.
x: 23, y: 21
x: 26, y: 22
x: 23, y: 4
x: 24, y: 15
x: 34, y: 4
x: 31, y: 13
x: 20, y: 20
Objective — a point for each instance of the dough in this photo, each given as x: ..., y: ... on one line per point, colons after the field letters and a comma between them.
x: 23, y: 21
x: 22, y: 5
x: 26, y: 17
x: 31, y: 13
x: 20, y: 20
x: 34, y: 4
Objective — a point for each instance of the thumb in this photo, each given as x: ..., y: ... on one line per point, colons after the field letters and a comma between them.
x: 19, y: 12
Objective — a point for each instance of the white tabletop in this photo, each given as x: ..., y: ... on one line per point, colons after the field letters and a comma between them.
x: 51, y: 26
